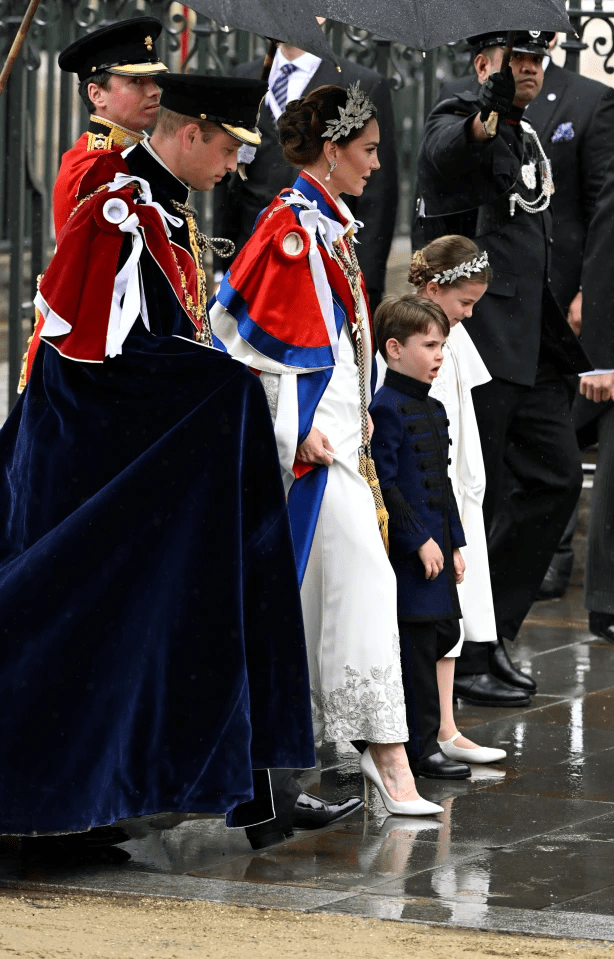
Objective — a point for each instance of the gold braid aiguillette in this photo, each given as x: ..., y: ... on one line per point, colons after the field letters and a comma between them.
x: 198, y: 244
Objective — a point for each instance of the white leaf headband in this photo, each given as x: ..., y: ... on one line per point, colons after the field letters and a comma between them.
x: 476, y: 265
x: 353, y: 115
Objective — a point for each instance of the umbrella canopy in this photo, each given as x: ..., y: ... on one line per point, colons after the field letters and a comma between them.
x: 288, y: 21
x: 425, y: 24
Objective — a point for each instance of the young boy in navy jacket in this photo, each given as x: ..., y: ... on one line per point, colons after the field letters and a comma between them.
x: 410, y: 446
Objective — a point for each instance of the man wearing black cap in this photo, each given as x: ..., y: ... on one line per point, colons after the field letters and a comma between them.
x: 151, y: 478
x: 154, y: 654
x: 483, y: 173
x: 116, y: 66
x: 574, y: 119
x: 179, y: 146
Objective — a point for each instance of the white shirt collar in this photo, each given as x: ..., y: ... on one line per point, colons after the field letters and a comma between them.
x: 306, y: 65
x: 307, y: 62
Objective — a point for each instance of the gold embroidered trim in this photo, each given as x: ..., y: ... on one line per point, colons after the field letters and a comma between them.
x: 116, y: 136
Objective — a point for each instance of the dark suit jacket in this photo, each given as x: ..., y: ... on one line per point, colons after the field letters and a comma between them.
x: 465, y: 186
x: 238, y: 203
x: 597, y: 302
x: 574, y: 119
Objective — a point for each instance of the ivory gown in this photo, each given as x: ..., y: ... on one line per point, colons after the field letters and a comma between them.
x: 348, y: 592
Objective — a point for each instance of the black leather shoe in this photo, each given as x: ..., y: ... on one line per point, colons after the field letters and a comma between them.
x: 503, y: 668
x: 602, y: 624
x: 554, y: 585
x: 439, y: 766
x: 75, y: 848
x: 260, y: 836
x: 310, y: 812
x: 484, y: 689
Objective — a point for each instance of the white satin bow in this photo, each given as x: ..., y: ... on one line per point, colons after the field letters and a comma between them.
x: 124, y: 179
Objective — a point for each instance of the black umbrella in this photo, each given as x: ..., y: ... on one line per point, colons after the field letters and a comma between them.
x: 288, y: 21
x: 425, y: 24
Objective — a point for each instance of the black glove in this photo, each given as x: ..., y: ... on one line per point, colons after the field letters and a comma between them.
x: 497, y: 94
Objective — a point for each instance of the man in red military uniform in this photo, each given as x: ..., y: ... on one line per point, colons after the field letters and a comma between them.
x: 116, y: 67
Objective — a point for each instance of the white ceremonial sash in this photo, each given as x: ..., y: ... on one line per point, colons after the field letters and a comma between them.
x: 315, y: 223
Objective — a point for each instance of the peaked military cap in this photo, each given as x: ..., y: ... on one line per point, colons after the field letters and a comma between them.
x: 526, y: 41
x: 127, y: 48
x: 231, y: 102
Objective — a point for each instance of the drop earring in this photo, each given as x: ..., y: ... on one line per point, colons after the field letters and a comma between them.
x: 332, y: 167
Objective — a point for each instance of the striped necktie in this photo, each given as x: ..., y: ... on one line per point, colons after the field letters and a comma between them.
x: 280, y: 87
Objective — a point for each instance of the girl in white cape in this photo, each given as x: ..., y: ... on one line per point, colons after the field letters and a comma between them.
x: 455, y: 274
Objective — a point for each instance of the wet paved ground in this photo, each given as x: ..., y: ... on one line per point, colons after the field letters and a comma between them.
x: 525, y: 846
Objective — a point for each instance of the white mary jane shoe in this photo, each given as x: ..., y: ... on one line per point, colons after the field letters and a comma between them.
x: 483, y: 754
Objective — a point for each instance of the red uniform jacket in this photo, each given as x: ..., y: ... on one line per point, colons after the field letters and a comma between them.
x: 100, y: 137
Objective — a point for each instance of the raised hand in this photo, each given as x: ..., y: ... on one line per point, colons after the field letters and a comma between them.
x: 497, y: 94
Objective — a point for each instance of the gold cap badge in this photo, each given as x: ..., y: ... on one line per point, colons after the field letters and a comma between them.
x: 149, y: 43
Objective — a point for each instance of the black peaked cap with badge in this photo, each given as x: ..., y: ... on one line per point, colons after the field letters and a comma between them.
x: 233, y: 103
x: 526, y: 41
x: 127, y: 48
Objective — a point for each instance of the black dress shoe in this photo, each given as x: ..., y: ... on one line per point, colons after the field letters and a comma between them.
x: 438, y: 766
x: 73, y: 849
x: 602, y: 624
x: 554, y: 585
x: 310, y: 812
x: 260, y: 836
x: 503, y: 668
x: 484, y: 689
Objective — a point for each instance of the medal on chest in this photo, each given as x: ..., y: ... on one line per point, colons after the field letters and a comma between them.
x: 529, y: 174
x: 529, y: 177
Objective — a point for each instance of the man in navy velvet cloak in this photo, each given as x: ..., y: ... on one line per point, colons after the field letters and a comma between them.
x: 152, y: 654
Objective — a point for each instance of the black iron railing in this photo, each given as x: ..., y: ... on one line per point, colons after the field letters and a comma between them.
x: 41, y: 116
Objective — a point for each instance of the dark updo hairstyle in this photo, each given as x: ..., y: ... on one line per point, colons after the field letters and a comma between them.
x: 303, y: 122
x: 445, y: 253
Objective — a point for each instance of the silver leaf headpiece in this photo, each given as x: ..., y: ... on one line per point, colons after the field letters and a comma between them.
x: 476, y: 265
x: 353, y: 115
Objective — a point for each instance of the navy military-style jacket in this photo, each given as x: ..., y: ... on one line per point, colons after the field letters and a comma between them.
x: 410, y: 447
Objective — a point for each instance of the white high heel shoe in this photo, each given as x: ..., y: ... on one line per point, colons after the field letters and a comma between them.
x: 483, y: 754
x: 412, y: 807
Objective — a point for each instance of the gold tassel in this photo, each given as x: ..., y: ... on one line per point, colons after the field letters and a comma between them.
x: 366, y: 468
x: 24, y: 365
x: 23, y: 382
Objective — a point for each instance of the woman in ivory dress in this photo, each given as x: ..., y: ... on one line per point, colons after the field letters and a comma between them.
x: 293, y: 307
x: 454, y: 273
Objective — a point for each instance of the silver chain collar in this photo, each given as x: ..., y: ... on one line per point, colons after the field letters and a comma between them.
x: 543, y: 200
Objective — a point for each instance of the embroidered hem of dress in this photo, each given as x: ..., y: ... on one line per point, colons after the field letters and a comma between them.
x: 357, y: 711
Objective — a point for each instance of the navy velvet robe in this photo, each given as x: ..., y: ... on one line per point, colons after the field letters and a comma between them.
x: 153, y: 650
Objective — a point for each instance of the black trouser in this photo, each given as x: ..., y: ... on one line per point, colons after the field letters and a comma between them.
x: 599, y: 582
x: 528, y: 431
x: 562, y: 562
x: 422, y: 644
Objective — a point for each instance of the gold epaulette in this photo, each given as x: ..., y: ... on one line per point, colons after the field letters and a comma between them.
x: 104, y: 135
x: 95, y: 141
